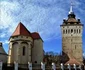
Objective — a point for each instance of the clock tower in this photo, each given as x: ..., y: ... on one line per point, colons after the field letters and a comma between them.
x: 72, y: 39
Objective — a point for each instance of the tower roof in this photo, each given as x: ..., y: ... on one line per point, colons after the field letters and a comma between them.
x: 71, y: 15
x: 72, y: 61
x: 2, y: 52
x: 71, y: 20
x: 35, y: 35
x: 21, y: 30
x: 71, y: 8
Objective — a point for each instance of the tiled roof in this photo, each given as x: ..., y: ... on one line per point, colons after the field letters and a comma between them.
x: 72, y: 20
x: 21, y: 30
x: 72, y: 61
x: 2, y: 51
x: 35, y: 35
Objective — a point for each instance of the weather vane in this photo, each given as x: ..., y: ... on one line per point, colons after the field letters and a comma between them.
x: 71, y: 7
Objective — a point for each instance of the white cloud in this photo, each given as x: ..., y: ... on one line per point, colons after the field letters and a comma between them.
x: 2, y: 35
x: 44, y: 16
x: 5, y: 42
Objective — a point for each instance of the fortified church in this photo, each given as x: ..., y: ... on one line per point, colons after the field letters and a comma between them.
x: 25, y: 46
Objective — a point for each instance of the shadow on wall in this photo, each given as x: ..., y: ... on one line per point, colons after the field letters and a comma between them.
x: 64, y: 57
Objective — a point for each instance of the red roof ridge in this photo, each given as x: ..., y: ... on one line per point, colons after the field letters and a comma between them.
x: 21, y: 30
x: 72, y: 61
x: 35, y: 35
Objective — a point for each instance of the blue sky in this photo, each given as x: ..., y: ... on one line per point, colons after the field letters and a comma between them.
x: 44, y: 16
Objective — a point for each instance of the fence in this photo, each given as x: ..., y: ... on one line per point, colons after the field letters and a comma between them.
x: 41, y: 66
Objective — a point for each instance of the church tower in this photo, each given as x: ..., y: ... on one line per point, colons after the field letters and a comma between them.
x: 20, y: 45
x: 72, y: 39
x: 25, y: 47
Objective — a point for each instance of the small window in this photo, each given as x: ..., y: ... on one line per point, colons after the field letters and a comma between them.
x: 71, y: 40
x: 71, y: 30
x: 35, y: 61
x: 66, y: 31
x: 63, y: 31
x: 23, y: 50
x: 75, y: 46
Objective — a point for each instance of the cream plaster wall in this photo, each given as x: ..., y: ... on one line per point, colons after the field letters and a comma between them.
x: 37, y: 51
x: 16, y: 49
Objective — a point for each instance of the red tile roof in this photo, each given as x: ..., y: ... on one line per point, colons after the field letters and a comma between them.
x: 72, y: 20
x: 72, y: 61
x: 35, y: 35
x: 21, y: 30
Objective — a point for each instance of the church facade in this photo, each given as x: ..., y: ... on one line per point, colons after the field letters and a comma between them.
x: 25, y: 47
x: 72, y: 40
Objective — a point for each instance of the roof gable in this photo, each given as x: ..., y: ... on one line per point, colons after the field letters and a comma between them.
x: 21, y: 30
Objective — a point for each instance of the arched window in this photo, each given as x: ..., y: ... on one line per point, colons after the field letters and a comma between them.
x: 75, y: 46
x: 23, y: 50
x: 71, y: 30
x: 63, y: 31
x: 66, y: 31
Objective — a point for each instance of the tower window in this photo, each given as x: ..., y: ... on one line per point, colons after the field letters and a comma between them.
x: 23, y: 50
x: 63, y: 31
x: 71, y: 30
x: 75, y: 46
x: 66, y: 31
x: 35, y: 61
x: 71, y: 40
